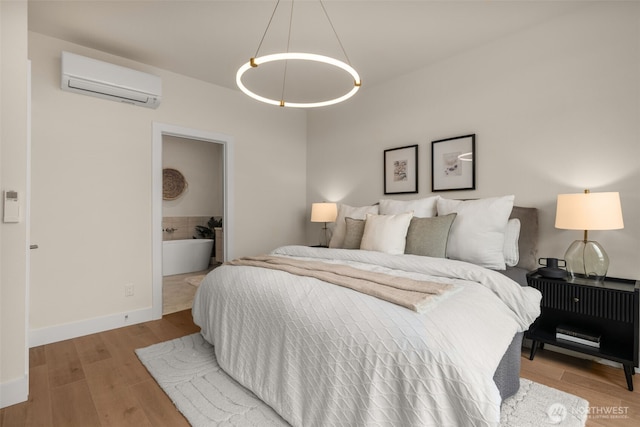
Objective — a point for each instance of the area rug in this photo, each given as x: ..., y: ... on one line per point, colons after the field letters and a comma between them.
x: 187, y: 370
x: 194, y: 280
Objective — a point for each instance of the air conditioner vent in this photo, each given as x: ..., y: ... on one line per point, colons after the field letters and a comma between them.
x: 97, y: 78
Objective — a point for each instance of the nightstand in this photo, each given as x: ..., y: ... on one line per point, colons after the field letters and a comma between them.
x: 608, y: 309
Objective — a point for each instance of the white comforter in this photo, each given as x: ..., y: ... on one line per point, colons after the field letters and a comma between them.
x: 323, y: 355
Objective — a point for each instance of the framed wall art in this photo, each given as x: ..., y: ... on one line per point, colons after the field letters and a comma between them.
x: 453, y: 163
x: 401, y: 170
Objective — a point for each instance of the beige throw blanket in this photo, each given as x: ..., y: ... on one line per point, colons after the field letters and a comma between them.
x: 409, y: 293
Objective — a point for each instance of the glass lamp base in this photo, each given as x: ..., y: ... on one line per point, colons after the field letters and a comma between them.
x: 587, y: 258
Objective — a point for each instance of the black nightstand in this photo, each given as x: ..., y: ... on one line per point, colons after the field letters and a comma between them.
x: 608, y: 309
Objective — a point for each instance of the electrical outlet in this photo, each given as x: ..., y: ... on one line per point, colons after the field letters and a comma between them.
x: 128, y: 290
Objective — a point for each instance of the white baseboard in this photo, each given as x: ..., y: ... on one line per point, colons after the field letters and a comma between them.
x: 67, y: 331
x: 14, y: 391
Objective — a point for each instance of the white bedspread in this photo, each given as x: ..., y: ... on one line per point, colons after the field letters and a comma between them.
x: 323, y: 355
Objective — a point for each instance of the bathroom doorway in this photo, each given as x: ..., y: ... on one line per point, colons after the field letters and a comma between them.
x: 192, y: 217
x: 202, y: 162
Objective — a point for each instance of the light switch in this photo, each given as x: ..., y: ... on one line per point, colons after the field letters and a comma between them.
x: 11, y: 206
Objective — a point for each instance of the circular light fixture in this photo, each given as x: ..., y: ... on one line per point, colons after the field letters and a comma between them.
x: 255, y: 62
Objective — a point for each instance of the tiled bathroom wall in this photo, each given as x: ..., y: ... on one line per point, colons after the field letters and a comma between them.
x: 184, y: 227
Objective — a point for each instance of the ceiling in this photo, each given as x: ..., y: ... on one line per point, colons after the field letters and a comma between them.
x: 210, y: 39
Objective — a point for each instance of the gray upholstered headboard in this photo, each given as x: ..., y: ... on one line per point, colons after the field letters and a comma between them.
x: 528, y: 241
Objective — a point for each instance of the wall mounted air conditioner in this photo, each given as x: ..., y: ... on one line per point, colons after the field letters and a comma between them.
x: 97, y: 78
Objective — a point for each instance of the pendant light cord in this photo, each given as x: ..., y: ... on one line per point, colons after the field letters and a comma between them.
x: 286, y: 63
x: 266, y: 29
x: 335, y: 33
x: 326, y: 14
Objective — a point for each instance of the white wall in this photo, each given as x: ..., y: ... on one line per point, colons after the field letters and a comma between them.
x: 92, y: 184
x: 201, y: 164
x: 555, y: 108
x: 14, y: 367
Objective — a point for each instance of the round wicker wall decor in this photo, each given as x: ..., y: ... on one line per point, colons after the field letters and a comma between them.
x: 173, y: 184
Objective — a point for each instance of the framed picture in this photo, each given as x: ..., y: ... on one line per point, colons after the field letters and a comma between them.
x: 453, y: 163
x: 401, y: 170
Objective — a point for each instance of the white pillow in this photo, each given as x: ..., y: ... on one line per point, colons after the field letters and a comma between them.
x: 511, y: 236
x: 477, y: 234
x: 344, y: 211
x: 421, y: 208
x: 386, y: 233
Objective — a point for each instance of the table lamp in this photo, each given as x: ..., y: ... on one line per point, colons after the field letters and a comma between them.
x: 588, y: 211
x: 324, y: 212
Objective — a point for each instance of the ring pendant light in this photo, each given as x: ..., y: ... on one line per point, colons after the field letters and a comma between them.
x: 255, y: 61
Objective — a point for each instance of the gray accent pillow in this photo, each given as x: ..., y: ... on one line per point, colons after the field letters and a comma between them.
x: 428, y: 236
x: 353, y: 234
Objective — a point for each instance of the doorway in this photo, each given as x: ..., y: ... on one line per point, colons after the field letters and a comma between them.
x: 192, y: 210
x: 160, y: 132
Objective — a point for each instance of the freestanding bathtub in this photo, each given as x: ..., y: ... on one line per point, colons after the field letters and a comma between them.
x: 185, y: 256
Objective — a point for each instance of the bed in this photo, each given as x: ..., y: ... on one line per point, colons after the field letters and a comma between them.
x: 322, y: 354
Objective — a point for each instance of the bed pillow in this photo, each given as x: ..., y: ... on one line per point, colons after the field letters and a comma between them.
x: 344, y: 211
x: 511, y: 237
x: 477, y: 234
x: 428, y: 236
x: 528, y: 238
x: 421, y: 208
x: 386, y: 233
x: 353, y: 234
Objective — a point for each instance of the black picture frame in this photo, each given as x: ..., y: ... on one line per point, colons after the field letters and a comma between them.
x: 401, y: 170
x: 453, y: 163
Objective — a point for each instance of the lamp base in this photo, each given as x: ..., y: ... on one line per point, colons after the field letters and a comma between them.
x: 588, y: 258
x: 324, y: 239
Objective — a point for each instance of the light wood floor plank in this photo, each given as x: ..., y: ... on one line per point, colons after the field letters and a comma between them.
x: 122, y: 346
x: 12, y: 416
x: 549, y: 370
x: 72, y: 406
x: 120, y: 408
x: 157, y: 405
x: 106, y: 376
x: 63, y: 363
x: 165, y: 330
x: 37, y: 356
x: 91, y: 349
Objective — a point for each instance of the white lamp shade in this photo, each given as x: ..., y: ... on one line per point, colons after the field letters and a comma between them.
x: 589, y: 211
x: 324, y: 212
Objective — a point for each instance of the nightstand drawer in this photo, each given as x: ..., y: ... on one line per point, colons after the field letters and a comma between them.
x: 587, y: 300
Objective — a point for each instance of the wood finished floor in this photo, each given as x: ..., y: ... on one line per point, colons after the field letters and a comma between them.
x: 97, y: 380
x: 177, y: 294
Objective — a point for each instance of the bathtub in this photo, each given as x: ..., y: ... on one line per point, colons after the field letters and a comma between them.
x: 185, y: 256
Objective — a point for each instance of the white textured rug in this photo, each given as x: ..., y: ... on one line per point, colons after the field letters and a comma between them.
x: 195, y: 280
x: 187, y: 370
